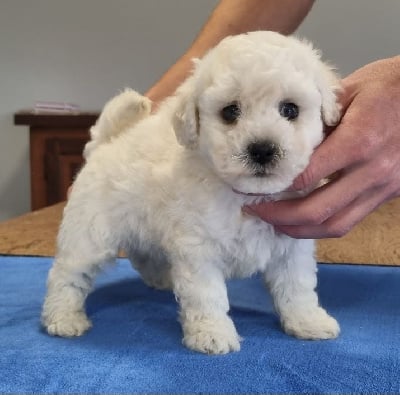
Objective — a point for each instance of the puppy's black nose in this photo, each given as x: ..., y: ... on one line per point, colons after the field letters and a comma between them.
x: 263, y: 152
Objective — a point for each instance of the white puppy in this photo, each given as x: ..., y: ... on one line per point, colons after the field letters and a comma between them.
x: 169, y: 191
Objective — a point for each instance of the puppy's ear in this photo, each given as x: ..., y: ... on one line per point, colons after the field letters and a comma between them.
x: 186, y: 118
x: 329, y: 86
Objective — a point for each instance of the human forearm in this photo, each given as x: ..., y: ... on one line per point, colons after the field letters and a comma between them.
x: 233, y: 17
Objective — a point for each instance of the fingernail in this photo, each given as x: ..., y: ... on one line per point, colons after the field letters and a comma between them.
x: 249, y: 211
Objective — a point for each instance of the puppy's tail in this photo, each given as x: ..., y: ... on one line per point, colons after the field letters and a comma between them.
x: 121, y: 112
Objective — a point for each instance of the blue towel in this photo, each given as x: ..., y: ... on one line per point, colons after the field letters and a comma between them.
x: 135, y: 344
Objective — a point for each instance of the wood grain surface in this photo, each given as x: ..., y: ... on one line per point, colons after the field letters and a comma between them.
x: 376, y: 240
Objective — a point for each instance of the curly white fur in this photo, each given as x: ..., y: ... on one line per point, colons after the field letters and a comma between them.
x: 174, y: 207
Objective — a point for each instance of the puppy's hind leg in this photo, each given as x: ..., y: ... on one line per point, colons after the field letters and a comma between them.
x: 83, y: 250
x: 153, y: 266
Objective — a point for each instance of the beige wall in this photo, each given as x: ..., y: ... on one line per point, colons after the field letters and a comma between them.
x: 84, y: 51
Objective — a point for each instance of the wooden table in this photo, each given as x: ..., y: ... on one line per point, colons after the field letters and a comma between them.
x: 56, y: 145
x: 376, y: 240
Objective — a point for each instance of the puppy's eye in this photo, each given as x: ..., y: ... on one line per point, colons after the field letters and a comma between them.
x: 288, y: 110
x: 231, y: 113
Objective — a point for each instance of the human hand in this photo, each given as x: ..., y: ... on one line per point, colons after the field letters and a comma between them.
x: 364, y: 150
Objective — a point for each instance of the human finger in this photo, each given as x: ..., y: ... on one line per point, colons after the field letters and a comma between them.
x: 318, y: 206
x: 342, y: 222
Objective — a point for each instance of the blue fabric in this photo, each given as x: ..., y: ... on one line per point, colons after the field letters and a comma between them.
x: 135, y: 344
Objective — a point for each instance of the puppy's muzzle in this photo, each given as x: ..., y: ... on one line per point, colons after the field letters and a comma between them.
x: 263, y: 153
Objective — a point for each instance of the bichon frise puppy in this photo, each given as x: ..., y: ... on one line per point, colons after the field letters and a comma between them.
x: 169, y: 188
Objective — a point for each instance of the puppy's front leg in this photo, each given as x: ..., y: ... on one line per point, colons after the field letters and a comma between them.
x: 292, y: 280
x: 201, y: 292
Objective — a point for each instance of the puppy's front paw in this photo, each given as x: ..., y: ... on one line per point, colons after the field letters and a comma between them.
x: 314, y: 324
x: 211, y: 336
x: 67, y: 325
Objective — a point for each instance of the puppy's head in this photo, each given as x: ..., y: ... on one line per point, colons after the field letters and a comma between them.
x: 255, y: 109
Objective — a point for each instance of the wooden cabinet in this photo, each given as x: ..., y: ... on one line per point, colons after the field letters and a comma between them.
x: 56, y: 145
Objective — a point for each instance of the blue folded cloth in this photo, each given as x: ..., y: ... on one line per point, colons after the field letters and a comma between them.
x: 135, y: 344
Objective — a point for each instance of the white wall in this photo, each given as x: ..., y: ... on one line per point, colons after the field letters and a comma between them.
x: 352, y: 33
x: 84, y: 51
